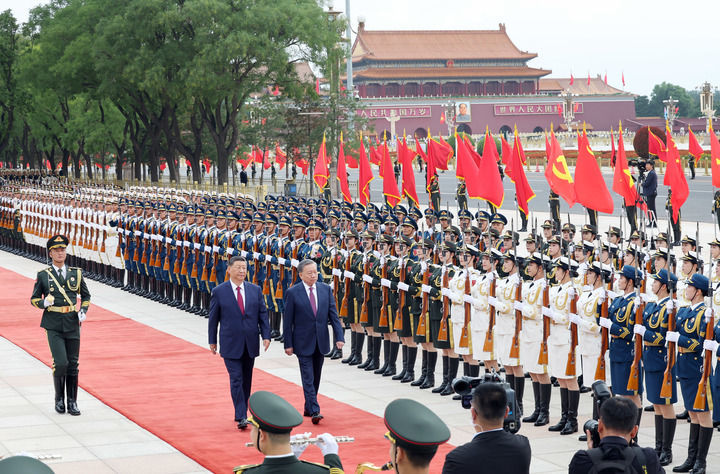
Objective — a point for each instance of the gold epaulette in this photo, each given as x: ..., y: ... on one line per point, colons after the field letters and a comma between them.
x: 244, y: 467
x: 332, y: 470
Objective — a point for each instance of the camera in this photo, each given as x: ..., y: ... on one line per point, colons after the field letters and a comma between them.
x: 464, y: 386
x: 600, y: 393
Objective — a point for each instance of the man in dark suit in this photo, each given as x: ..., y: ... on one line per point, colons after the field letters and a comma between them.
x: 649, y: 191
x: 239, y: 308
x: 492, y: 449
x: 309, y: 306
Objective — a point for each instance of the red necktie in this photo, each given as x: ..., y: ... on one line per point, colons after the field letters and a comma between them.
x: 313, y: 305
x: 241, y: 304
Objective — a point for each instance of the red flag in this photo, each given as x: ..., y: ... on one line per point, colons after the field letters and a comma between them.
x: 516, y: 173
x: 207, y: 165
x: 714, y: 158
x: 258, y: 155
x: 548, y: 148
x: 506, y: 151
x: 674, y: 176
x: 366, y: 176
x: 588, y: 82
x: 163, y: 166
x: 623, y: 183
x: 605, y: 78
x: 694, y: 147
x: 405, y: 157
x: 303, y: 164
x: 321, y: 173
x: 317, y: 86
x: 280, y: 157
x: 375, y: 156
x: 558, y: 174
x: 487, y: 183
x: 656, y: 146
x: 590, y: 188
x: 442, y: 152
x: 572, y: 79
x: 266, y: 159
x: 48, y: 165
x: 342, y: 173
x: 387, y: 173
x: 420, y: 151
x: 623, y: 78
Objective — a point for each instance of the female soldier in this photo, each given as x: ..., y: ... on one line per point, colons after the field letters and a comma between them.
x: 466, y: 257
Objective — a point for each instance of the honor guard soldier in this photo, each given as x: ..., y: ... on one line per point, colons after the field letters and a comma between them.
x: 272, y: 419
x: 415, y: 273
x: 439, y: 319
x: 404, y: 249
x: 674, y: 223
x: 415, y: 432
x: 434, y: 190
x: 480, y: 323
x: 554, y: 201
x: 461, y: 195
x: 367, y: 312
x: 56, y: 291
x: 430, y: 221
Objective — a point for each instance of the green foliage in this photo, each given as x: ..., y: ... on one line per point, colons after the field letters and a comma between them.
x: 688, y: 101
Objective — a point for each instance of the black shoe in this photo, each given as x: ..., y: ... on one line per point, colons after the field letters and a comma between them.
x: 692, y: 450
x: 457, y: 396
x: 571, y: 426
x: 71, y: 385
x: 356, y: 360
x: 585, y: 389
x: 649, y: 408
x: 59, y: 393
x: 409, y: 377
x: 316, y: 417
x: 274, y: 334
x: 349, y: 358
x: 401, y: 375
x: 365, y: 364
x: 242, y: 424
x: 533, y: 416
x: 419, y: 382
x: 391, y: 370
x: 441, y: 387
x: 429, y: 382
x: 330, y: 354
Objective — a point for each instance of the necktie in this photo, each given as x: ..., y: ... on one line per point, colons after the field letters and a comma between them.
x: 313, y: 305
x: 241, y: 304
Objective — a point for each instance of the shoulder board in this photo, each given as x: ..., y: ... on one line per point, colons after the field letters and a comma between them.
x: 244, y: 467
x: 316, y: 464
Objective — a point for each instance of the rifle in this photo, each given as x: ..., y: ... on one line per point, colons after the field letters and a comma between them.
x: 383, y: 311
x: 515, y: 347
x: 95, y: 233
x: 121, y: 239
x: 153, y: 251
x: 464, y: 334
x: 604, y: 336
x: 196, y: 252
x: 281, y: 271
x: 126, y: 239
x: 401, y: 298
x: 346, y: 296
x: 255, y: 265
x: 701, y: 396
x: 213, y: 272
x: 634, y: 379
x: 176, y: 268
x: 570, y: 368
x: 443, y: 331
x: 166, y: 264
x: 294, y: 269
x: 203, y: 274
x: 422, y: 325
x: 364, y: 313
x: 543, y: 356
x: 268, y: 269
x: 489, y: 344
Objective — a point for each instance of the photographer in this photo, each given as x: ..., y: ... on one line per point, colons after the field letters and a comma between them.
x: 649, y: 191
x: 492, y: 449
x: 616, y: 427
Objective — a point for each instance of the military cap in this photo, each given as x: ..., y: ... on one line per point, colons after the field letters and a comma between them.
x: 161, y: 206
x: 181, y: 209
x: 589, y: 228
x: 662, y: 237
x: 400, y: 209
x: 633, y: 249
x: 631, y: 273
x: 429, y: 212
x: 445, y: 214
x: 538, y: 258
x: 270, y: 198
x: 699, y: 281
x: 334, y: 214
x: 346, y: 206
x: 614, y: 231
x: 553, y: 240
x: 415, y: 213
x: 664, y: 277
x: 471, y: 249
x: 57, y: 241
x: 414, y: 427
x: 318, y: 214
x: 171, y: 208
x: 272, y: 208
x: 482, y: 216
x: 259, y: 216
x: 346, y: 216
x: 374, y: 217
x: 23, y: 465
x: 245, y: 216
x: 233, y: 215
x: 404, y: 240
x: 587, y: 247
x: 456, y: 231
x: 715, y: 243
x: 548, y: 224
x: 449, y: 246
x: 322, y: 202
x: 372, y: 207
x: 497, y: 217
x: 532, y: 238
x: 231, y: 202
x: 386, y: 239
x: 271, y: 218
x: 305, y: 213
x: 610, y: 247
x: 637, y: 235
x: 510, y: 255
x: 390, y: 219
x: 220, y: 214
x: 352, y: 233
x: 688, y: 240
x: 272, y: 413
x: 360, y: 216
x: 511, y: 235
x: 428, y: 243
x: 250, y: 207
x: 568, y: 227
x: 409, y: 221
x: 476, y: 230
x: 493, y: 233
x: 661, y: 252
x: 600, y: 268
x: 566, y: 264
x: 334, y: 233
x: 387, y: 208
x: 356, y: 206
x: 312, y: 202
x: 285, y: 220
x: 691, y: 257
x: 368, y: 235
x: 465, y: 214
x: 292, y: 200
x: 299, y: 222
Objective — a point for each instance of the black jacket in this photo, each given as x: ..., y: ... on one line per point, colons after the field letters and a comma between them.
x: 649, y: 186
x: 613, y: 447
x: 492, y: 452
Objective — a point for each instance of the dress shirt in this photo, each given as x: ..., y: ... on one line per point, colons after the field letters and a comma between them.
x: 314, y: 295
x: 61, y: 271
x: 242, y: 290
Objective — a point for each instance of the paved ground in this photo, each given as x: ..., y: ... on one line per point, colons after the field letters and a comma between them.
x: 101, y: 440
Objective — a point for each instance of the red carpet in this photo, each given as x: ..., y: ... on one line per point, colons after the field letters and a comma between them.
x: 179, y: 391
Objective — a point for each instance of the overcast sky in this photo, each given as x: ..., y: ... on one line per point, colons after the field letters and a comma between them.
x: 649, y: 40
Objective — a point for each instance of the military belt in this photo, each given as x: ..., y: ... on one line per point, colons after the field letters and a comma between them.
x: 653, y: 344
x: 684, y: 350
x: 61, y: 309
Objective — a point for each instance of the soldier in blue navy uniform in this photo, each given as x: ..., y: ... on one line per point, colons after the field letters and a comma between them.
x: 689, y: 336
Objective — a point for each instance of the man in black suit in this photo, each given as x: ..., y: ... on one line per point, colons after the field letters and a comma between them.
x: 649, y: 191
x: 309, y: 306
x: 492, y: 449
x: 238, y: 307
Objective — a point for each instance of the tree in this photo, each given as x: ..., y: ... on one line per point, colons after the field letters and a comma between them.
x: 687, y: 107
x: 8, y: 79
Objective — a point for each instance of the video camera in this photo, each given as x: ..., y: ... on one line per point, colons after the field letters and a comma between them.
x: 464, y: 386
x: 600, y: 393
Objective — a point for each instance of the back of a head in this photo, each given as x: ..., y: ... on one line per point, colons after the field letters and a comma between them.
x: 490, y: 401
x: 619, y: 414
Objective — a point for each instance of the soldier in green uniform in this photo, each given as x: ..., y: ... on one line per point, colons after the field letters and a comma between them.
x: 272, y: 418
x: 461, y: 195
x: 434, y: 190
x: 55, y: 292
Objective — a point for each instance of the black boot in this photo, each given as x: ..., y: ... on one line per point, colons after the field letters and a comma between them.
x: 376, y: 347
x: 692, y: 450
x: 386, y: 357
x: 474, y: 370
x: 423, y: 370
x: 519, y: 392
x: 370, y: 346
x: 571, y: 426
x: 429, y: 381
x: 337, y: 353
x: 353, y: 348
x: 445, y: 368
x: 454, y: 363
x: 510, y: 379
x: 359, y: 340
x: 392, y: 363
x: 544, y: 413
x: 410, y: 368
x: 703, y: 446
x: 658, y: 435
x: 563, y: 408
x: 71, y: 382
x: 402, y: 373
x: 59, y: 393
x: 536, y: 394
x: 668, y: 436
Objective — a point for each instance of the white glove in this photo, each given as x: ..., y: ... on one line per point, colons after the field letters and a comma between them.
x: 186, y: 243
x: 423, y: 266
x: 336, y: 272
x: 243, y: 254
x: 256, y: 256
x: 639, y: 329
x: 492, y: 301
x: 293, y: 244
x: 294, y: 262
x: 385, y: 282
x: 547, y: 312
x: 81, y: 315
x: 645, y: 297
x: 606, y: 323
x: 49, y: 300
x: 367, y: 278
x: 299, y: 447
x: 426, y: 288
x: 669, y: 306
x: 138, y: 233
x: 468, y: 299
x: 403, y: 286
x: 216, y: 249
x: 612, y: 295
x: 327, y: 444
x: 672, y: 336
x: 281, y: 261
x: 197, y: 246
x: 348, y: 274
x: 446, y: 292
x: 518, y: 305
x: 574, y: 318
x: 268, y: 258
x: 711, y: 345
x: 571, y: 292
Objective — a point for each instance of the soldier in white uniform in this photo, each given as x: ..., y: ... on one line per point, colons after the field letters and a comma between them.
x: 481, y: 308
x: 589, y: 309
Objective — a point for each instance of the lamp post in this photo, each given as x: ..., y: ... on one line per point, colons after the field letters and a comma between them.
x: 670, y: 110
x: 568, y: 113
x: 706, y: 107
x: 450, y: 116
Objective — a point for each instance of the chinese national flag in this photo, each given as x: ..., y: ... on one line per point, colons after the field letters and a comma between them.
x: 656, y: 146
x: 420, y: 151
x: 588, y: 81
x: 405, y: 157
x: 694, y: 147
x: 715, y: 158
x: 558, y: 174
x: 572, y: 79
x: 387, y: 173
x: 366, y: 176
x: 590, y: 188
x: 516, y: 173
x: 623, y: 184
x: 280, y: 157
x: 674, y: 176
x: 321, y: 173
x: 207, y: 164
x: 342, y: 173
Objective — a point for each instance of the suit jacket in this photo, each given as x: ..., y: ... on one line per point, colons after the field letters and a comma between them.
x: 292, y: 464
x: 303, y: 330
x: 496, y: 451
x: 46, y: 283
x: 237, y: 331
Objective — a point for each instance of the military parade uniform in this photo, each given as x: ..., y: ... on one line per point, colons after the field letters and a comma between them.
x: 622, y: 316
